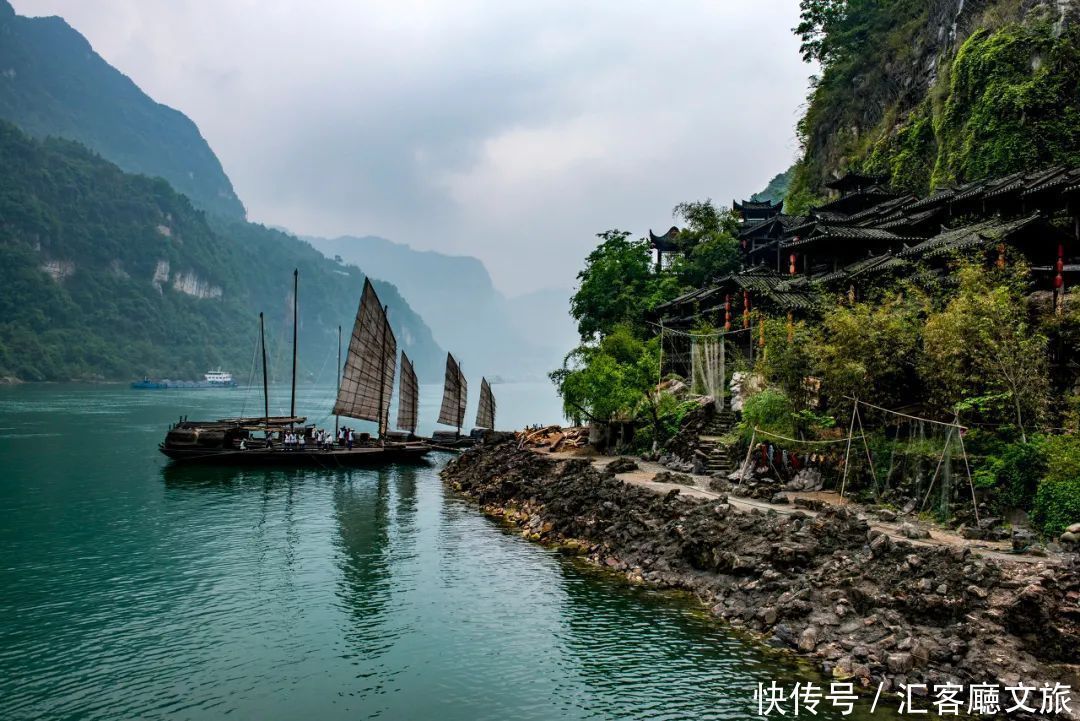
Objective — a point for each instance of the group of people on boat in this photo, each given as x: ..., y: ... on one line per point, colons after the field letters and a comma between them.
x: 314, y: 438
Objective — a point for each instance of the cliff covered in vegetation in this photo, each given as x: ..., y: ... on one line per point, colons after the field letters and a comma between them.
x: 934, y: 93
x: 107, y: 275
x: 52, y: 83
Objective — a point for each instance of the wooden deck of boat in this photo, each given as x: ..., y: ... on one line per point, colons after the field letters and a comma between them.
x: 333, y: 458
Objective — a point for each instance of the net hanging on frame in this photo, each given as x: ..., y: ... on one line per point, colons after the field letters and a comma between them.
x: 706, y: 363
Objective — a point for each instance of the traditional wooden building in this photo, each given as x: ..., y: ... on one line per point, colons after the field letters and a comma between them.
x: 869, y: 234
x: 666, y: 247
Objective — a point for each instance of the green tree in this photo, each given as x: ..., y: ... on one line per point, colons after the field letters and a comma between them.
x: 982, y: 346
x: 614, y: 378
x: 708, y: 241
x: 868, y: 350
x: 617, y: 286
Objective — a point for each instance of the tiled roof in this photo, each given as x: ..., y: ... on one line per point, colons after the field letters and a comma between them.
x: 988, y: 231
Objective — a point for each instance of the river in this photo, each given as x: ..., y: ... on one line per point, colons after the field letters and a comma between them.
x: 133, y: 589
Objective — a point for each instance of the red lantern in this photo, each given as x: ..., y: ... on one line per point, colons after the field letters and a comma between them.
x: 727, y: 312
x: 746, y: 309
x: 761, y: 333
x: 1001, y: 256
x: 791, y: 264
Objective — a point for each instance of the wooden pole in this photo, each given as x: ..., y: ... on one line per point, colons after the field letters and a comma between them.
x: 869, y: 458
x: 266, y: 383
x: 337, y: 418
x: 971, y: 484
x: 382, y: 370
x: 296, y: 288
x: 847, y: 453
x: 749, y: 452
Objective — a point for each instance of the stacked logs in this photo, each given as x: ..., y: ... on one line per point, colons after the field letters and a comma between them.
x: 554, y: 438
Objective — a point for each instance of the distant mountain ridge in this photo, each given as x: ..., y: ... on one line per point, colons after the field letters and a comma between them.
x: 52, y: 83
x: 455, y: 295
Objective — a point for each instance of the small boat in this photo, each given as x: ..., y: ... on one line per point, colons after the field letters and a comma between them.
x: 364, y: 389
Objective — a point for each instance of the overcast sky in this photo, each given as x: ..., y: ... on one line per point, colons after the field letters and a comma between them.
x: 507, y: 130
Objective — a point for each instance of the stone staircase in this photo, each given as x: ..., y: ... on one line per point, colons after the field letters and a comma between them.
x: 719, y: 457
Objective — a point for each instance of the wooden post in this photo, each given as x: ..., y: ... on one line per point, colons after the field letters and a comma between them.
x: 296, y: 290
x: 266, y: 383
x: 337, y: 418
x: 971, y: 484
x: 869, y: 458
x: 382, y: 372
x: 847, y: 453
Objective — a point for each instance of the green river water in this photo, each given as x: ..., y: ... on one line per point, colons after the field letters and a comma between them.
x: 130, y: 589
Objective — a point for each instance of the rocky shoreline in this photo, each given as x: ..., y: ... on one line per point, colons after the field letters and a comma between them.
x: 829, y: 587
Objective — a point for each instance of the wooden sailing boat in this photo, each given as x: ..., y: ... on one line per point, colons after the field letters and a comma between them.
x: 485, y: 413
x: 364, y: 391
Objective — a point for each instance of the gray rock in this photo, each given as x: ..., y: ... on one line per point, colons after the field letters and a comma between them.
x: 622, y: 465
x: 881, y: 545
x: 910, y: 530
x: 1022, y: 539
x: 886, y: 515
x: 899, y: 662
x: 1074, y: 528
x: 808, y: 639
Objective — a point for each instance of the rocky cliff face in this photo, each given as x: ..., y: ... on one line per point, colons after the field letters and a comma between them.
x: 948, y: 91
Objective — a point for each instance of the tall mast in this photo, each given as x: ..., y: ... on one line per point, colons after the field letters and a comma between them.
x: 460, y: 413
x: 337, y: 418
x: 296, y: 289
x: 382, y: 372
x: 266, y: 385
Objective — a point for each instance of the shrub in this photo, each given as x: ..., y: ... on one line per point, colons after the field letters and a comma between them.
x: 769, y: 410
x: 1057, y: 501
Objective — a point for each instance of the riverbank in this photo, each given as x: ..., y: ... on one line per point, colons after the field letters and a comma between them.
x: 859, y: 602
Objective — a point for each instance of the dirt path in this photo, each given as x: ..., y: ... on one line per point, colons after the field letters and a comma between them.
x: 1000, y: 551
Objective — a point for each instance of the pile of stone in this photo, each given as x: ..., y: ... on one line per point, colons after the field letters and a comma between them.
x: 864, y: 605
x: 621, y: 465
x: 753, y: 481
x: 1070, y: 539
x: 554, y: 438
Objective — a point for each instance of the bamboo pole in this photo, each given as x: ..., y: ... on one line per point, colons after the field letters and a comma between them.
x: 847, y: 453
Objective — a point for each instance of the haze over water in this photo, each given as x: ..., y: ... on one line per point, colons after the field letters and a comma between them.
x: 131, y: 589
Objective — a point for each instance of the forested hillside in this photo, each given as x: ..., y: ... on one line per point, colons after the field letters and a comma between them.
x: 53, y: 83
x: 935, y: 92
x: 111, y: 275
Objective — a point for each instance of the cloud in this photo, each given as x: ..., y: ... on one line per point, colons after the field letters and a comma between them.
x: 510, y: 131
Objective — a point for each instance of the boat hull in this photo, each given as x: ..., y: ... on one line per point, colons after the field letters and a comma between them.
x: 336, y: 458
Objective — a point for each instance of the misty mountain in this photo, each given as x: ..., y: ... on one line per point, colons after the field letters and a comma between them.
x: 52, y: 83
x: 108, y: 275
x: 520, y: 338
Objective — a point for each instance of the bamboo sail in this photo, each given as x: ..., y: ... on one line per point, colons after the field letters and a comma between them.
x: 368, y: 378
x: 485, y: 414
x: 455, y: 392
x: 408, y: 396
